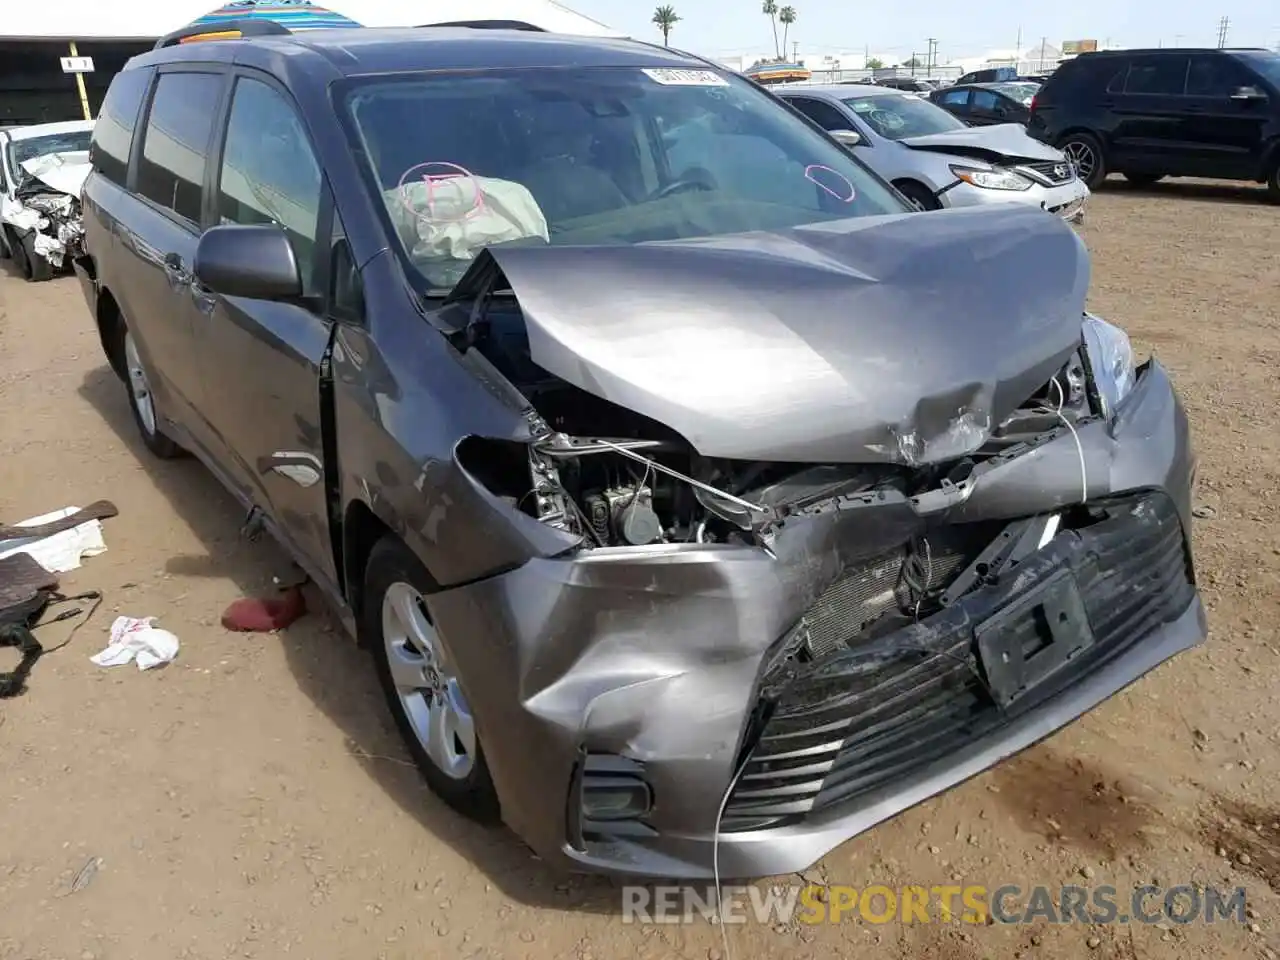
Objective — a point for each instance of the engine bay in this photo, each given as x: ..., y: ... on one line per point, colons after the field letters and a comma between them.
x: 618, y: 479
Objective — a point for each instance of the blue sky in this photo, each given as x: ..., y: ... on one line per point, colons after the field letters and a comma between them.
x: 963, y: 29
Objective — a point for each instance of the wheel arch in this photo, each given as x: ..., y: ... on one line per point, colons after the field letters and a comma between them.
x: 108, y: 316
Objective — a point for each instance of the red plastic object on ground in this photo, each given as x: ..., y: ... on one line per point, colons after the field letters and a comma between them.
x: 259, y: 615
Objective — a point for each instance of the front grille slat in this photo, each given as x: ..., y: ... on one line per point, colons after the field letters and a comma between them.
x: 871, y: 714
x: 1054, y: 173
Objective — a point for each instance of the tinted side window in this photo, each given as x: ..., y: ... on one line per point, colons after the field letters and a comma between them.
x: 1215, y: 77
x: 113, y: 131
x: 175, y: 146
x: 269, y: 172
x: 823, y: 114
x: 955, y: 98
x: 985, y: 100
x: 1157, y: 75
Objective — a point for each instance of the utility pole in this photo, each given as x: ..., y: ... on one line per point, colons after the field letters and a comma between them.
x: 931, y: 55
x: 913, y: 63
x: 1018, y: 49
x: 1223, y: 25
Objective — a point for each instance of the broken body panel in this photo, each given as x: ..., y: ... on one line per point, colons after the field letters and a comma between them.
x: 655, y: 658
x: 47, y: 204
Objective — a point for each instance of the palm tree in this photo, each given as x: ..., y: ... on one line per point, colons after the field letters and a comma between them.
x: 665, y: 18
x: 786, y: 17
x: 770, y: 10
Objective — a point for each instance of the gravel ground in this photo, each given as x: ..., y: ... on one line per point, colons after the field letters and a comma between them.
x: 252, y: 800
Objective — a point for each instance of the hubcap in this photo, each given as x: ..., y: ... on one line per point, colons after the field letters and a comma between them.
x: 139, y: 388
x: 1081, y: 154
x: 425, y: 684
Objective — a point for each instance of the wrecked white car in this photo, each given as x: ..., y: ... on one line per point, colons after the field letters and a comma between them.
x: 42, y: 170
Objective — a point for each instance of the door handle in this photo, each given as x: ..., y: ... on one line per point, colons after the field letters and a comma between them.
x: 205, y: 299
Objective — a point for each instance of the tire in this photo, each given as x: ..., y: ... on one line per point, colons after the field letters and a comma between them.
x: 424, y: 695
x: 1144, y: 179
x: 36, y: 268
x: 1273, y: 183
x: 142, y: 404
x: 918, y: 195
x: 6, y: 244
x: 1085, y: 151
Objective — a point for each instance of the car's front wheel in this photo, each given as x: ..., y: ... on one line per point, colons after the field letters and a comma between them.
x: 1085, y: 151
x: 918, y: 195
x: 34, y: 267
x: 142, y: 401
x: 420, y: 681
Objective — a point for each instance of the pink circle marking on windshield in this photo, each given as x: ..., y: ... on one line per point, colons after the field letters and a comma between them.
x: 452, y: 174
x: 811, y: 173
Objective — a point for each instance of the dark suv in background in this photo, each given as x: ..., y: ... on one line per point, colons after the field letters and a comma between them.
x: 1165, y: 113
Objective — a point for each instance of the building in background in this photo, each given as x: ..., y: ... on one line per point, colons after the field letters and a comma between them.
x: 57, y: 57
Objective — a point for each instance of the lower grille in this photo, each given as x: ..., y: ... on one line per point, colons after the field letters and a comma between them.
x: 867, y: 716
x: 868, y: 592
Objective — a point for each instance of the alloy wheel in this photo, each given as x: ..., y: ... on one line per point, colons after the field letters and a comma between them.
x: 1081, y: 154
x: 425, y: 684
x: 139, y: 386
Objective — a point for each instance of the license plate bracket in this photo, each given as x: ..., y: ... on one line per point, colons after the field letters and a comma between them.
x: 1031, y: 638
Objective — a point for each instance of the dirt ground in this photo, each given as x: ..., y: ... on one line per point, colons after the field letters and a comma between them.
x: 252, y: 800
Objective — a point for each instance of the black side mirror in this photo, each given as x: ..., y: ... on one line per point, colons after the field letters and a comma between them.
x: 1001, y: 111
x: 248, y: 261
x: 1247, y: 93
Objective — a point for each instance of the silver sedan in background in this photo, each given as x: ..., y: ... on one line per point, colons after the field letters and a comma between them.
x: 936, y: 160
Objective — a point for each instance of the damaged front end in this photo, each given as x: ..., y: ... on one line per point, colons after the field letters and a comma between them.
x: 752, y: 659
x: 45, y: 212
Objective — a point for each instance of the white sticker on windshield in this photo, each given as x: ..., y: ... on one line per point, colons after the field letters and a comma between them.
x: 863, y: 106
x: 686, y: 78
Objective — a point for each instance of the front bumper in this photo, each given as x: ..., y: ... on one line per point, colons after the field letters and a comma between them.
x: 1067, y: 201
x: 652, y: 658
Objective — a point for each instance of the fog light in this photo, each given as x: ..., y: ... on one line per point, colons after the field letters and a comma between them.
x: 615, y: 798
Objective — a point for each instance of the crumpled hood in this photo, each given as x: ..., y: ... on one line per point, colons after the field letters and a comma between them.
x: 1002, y: 139
x: 63, y: 172
x: 900, y: 339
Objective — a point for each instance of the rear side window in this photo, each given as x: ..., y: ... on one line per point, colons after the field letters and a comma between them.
x: 1088, y: 74
x: 113, y: 131
x: 955, y: 98
x: 1157, y: 75
x: 175, y: 147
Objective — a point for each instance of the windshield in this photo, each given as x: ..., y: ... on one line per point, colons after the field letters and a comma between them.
x: 74, y: 142
x: 1022, y: 92
x: 593, y: 156
x: 896, y: 116
x: 1267, y: 64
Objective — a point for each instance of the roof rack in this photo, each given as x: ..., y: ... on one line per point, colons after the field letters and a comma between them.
x: 487, y: 25
x: 224, y: 30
